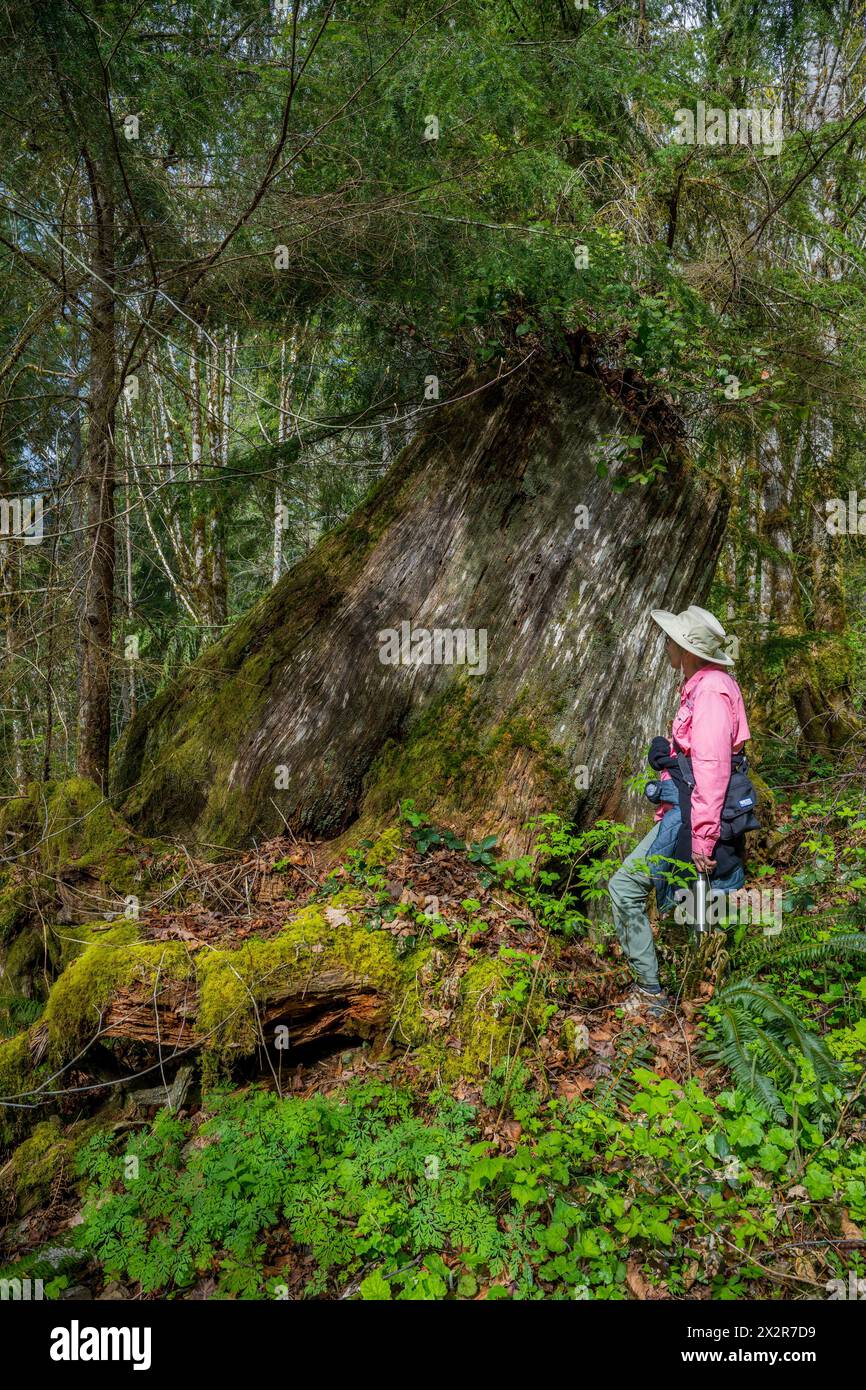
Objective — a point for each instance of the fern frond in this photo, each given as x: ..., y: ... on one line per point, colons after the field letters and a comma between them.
x: 747, y: 961
x: 632, y: 1051
x: 731, y: 1052
x: 760, y: 1037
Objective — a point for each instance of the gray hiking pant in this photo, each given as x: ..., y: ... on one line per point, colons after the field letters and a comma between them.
x: 629, y: 889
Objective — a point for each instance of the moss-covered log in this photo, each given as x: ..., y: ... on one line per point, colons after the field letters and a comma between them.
x: 502, y: 517
x: 66, y: 858
x: 324, y: 976
x: 332, y: 1004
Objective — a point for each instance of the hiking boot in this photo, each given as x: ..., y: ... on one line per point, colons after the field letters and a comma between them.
x: 655, y: 1003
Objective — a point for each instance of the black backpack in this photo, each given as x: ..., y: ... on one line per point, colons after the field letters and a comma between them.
x: 741, y: 799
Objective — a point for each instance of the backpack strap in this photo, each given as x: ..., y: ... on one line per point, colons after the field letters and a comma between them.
x: 685, y: 766
x: 739, y: 763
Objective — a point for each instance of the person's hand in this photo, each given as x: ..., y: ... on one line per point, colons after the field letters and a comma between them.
x: 704, y: 864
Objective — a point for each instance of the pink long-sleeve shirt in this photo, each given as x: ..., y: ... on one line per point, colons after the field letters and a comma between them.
x: 709, y: 726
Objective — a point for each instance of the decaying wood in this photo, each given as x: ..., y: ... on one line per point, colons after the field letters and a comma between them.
x: 331, y: 1004
x: 166, y: 1021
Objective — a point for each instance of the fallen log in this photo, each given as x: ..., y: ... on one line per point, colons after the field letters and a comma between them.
x: 334, y: 1004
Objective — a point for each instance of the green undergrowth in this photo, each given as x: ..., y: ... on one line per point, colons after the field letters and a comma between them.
x: 392, y: 1193
x: 384, y: 1197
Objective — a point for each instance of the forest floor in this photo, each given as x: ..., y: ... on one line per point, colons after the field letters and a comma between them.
x: 749, y: 1206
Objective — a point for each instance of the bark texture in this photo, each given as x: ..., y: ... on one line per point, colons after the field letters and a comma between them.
x: 802, y: 596
x: 496, y: 518
x: 94, y: 716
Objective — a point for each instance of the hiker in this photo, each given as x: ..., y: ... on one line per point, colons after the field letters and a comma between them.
x: 692, y: 793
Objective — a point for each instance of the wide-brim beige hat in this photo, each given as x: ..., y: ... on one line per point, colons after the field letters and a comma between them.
x: 697, y: 631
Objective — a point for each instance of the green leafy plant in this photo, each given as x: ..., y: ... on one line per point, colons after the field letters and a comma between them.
x: 566, y: 871
x: 426, y: 836
x: 762, y: 1042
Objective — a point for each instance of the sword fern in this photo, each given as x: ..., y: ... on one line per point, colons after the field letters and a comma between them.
x: 759, y: 1039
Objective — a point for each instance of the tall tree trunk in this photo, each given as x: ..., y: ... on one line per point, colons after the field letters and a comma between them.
x: 282, y: 436
x: 802, y: 593
x: 496, y: 527
x: 10, y: 585
x: 94, y: 715
x: 221, y: 369
x: 199, y: 513
x: 130, y: 697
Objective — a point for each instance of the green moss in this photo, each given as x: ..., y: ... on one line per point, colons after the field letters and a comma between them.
x: 767, y: 802
x: 410, y: 1026
x: 15, y: 1079
x: 232, y: 988
x: 570, y: 1039
x: 102, y: 959
x: 101, y: 962
x: 30, y: 955
x: 81, y: 994
x: 70, y: 824
x: 18, y: 816
x: 14, y: 1062
x: 485, y: 1028
x: 14, y: 906
x: 834, y: 662
x: 37, y: 1163
x: 82, y: 829
x: 44, y: 1157
x: 439, y: 748
x: 234, y: 984
x: 347, y: 897
x: 58, y: 827
x: 75, y: 940
x: 488, y: 1028
x: 386, y: 848
x: 34, y: 959
x: 433, y: 1060
x: 453, y: 765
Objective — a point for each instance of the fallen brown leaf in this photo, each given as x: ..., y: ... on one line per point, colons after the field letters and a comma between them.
x: 637, y: 1285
